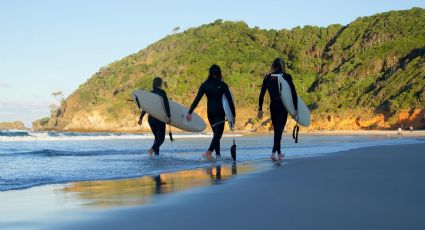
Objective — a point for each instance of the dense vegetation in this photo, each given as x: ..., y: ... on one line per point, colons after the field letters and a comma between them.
x: 375, y: 62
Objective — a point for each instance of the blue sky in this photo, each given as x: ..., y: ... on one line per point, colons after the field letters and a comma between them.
x: 56, y: 45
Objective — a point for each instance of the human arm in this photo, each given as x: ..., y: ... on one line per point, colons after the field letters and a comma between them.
x: 143, y: 112
x: 166, y: 104
x: 141, y: 118
x: 163, y: 94
x: 261, y: 98
x: 197, y: 99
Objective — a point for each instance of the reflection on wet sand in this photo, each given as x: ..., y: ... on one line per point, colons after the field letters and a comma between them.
x: 142, y: 190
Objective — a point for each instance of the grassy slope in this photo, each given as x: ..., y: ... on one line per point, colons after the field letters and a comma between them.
x: 375, y: 62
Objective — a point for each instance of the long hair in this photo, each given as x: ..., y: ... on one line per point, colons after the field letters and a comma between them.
x: 278, y: 65
x: 215, y: 71
x: 156, y: 83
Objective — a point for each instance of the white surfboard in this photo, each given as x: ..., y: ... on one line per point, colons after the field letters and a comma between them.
x: 154, y: 106
x: 303, y: 116
x: 228, y: 111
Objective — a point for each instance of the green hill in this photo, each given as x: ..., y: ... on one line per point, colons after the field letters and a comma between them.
x: 372, y: 67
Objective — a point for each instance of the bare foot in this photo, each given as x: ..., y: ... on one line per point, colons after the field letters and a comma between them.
x: 207, y: 155
x: 150, y: 152
x: 281, y: 156
x: 273, y: 157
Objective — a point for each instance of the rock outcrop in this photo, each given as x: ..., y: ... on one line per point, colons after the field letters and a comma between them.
x: 17, y: 125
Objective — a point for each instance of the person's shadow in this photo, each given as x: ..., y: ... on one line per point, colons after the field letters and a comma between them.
x: 159, y: 184
x: 234, y: 169
x: 216, y: 178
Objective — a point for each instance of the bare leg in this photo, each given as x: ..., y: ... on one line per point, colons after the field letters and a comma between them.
x: 273, y: 157
x: 150, y: 152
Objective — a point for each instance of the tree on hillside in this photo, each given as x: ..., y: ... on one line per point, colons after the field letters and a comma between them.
x: 175, y: 30
x: 59, y: 97
x: 375, y: 63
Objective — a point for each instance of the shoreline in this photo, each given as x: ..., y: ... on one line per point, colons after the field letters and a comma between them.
x: 204, y: 185
x: 62, y: 184
x: 416, y: 133
x: 354, y: 189
x: 23, y: 206
x: 223, y: 162
x: 386, y: 132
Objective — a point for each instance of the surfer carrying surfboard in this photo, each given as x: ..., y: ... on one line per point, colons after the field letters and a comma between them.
x: 278, y: 112
x: 214, y: 87
x: 157, y: 126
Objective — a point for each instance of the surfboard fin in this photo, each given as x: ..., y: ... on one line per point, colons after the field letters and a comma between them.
x: 295, y: 132
x: 170, y: 133
x: 233, y: 149
x: 233, y: 152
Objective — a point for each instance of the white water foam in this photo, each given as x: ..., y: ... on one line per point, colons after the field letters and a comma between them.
x: 21, y: 135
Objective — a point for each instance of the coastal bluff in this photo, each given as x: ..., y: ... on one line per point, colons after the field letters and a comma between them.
x: 16, y: 125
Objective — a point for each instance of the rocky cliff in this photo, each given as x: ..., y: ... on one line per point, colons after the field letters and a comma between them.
x: 17, y: 125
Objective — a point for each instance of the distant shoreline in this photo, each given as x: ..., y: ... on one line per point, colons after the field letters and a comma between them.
x: 387, y: 132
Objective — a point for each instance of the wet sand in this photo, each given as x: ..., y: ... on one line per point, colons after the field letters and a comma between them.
x: 44, y: 205
x: 369, y: 188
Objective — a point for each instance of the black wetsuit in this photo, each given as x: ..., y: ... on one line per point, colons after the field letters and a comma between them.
x: 278, y: 112
x: 214, y: 89
x: 157, y: 126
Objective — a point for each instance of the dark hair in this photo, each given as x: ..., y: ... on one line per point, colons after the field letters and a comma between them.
x: 156, y: 83
x: 278, y: 65
x: 215, y: 71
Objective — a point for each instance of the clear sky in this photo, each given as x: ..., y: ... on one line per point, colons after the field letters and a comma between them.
x: 56, y: 45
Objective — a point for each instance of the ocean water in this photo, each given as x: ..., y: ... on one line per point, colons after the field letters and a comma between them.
x: 30, y: 159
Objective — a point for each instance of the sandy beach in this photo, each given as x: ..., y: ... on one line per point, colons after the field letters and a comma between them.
x: 367, y: 188
x: 406, y: 133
